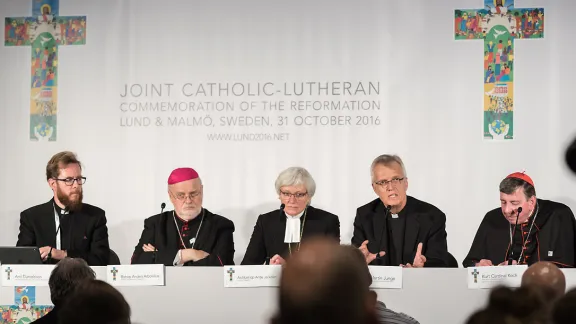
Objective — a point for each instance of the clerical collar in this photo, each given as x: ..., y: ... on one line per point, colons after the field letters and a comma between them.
x: 295, y: 216
x: 293, y: 230
x: 59, y: 210
x: 400, y: 214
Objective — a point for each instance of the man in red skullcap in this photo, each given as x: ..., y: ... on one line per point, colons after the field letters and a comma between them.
x: 524, y: 230
x: 189, y: 235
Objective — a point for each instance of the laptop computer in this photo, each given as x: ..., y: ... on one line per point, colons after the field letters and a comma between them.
x: 20, y: 255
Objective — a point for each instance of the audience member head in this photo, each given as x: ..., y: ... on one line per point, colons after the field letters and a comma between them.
x: 326, y: 283
x: 563, y: 312
x: 66, y: 276
x: 548, y: 278
x: 95, y: 302
x: 524, y: 305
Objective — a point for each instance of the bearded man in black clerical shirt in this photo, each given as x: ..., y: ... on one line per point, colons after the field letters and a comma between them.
x: 65, y: 226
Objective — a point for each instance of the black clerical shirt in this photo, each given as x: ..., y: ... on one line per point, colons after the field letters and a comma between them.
x: 397, y: 226
x: 418, y: 222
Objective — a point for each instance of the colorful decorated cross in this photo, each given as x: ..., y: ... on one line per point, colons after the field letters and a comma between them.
x: 475, y: 273
x: 44, y: 31
x: 8, y: 272
x: 114, y: 271
x: 499, y: 24
x: 231, y: 272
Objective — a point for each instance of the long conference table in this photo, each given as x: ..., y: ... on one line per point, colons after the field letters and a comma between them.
x: 198, y: 295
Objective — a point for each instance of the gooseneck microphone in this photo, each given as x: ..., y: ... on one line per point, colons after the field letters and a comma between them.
x: 162, y: 206
x: 387, y: 225
x: 512, y: 243
x: 268, y: 258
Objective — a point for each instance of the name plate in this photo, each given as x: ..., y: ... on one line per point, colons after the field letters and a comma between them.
x: 386, y: 277
x: 252, y: 276
x: 136, y: 275
x: 489, y: 277
x: 26, y: 275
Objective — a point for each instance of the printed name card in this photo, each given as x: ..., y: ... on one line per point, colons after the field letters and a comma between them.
x: 386, y: 277
x: 252, y: 276
x: 136, y: 275
x: 489, y: 277
x: 26, y: 275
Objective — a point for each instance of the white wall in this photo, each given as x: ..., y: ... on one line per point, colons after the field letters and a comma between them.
x: 431, y: 99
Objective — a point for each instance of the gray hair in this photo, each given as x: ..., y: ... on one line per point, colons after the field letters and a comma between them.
x: 294, y: 176
x: 386, y: 159
x: 68, y: 274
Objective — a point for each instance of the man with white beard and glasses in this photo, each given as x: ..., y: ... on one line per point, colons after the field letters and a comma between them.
x: 65, y: 226
x: 189, y: 235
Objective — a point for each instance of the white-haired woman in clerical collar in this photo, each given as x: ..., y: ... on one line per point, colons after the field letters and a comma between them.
x: 295, y: 188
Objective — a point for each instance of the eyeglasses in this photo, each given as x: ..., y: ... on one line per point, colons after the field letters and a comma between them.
x: 70, y: 181
x: 298, y: 195
x: 182, y: 196
x: 384, y: 183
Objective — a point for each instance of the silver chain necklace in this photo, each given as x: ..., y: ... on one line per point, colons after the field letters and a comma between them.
x: 180, y: 234
x: 527, y: 236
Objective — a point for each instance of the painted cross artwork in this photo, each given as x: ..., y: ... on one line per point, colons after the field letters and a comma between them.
x: 15, y: 314
x: 24, y: 309
x: 499, y: 24
x: 25, y: 297
x: 45, y: 31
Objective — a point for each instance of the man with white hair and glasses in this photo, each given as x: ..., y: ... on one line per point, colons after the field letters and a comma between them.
x: 189, y: 235
x: 396, y: 229
x: 279, y: 233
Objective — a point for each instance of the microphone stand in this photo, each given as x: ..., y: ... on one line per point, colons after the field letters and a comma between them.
x: 512, y: 244
x: 387, y: 225
x: 162, y: 206
x: 269, y: 258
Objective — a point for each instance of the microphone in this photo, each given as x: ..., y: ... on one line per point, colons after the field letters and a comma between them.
x: 60, y: 217
x: 511, y: 257
x: 162, y: 206
x: 267, y: 261
x: 386, y: 214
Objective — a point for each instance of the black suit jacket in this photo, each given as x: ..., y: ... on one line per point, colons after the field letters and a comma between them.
x: 215, y: 238
x: 50, y: 318
x: 425, y: 224
x: 268, y: 237
x: 89, y: 233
